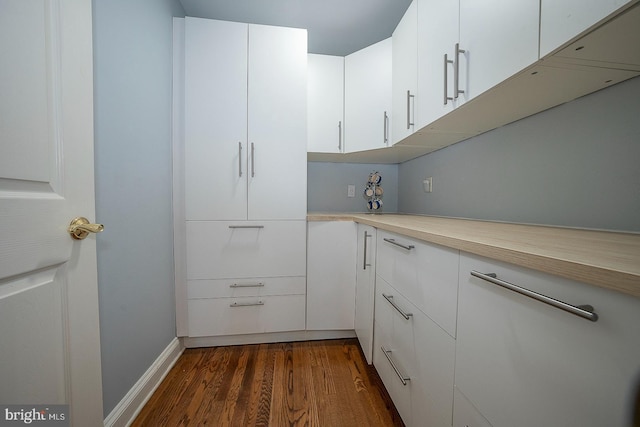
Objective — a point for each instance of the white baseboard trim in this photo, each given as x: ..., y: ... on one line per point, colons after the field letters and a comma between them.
x: 132, y: 403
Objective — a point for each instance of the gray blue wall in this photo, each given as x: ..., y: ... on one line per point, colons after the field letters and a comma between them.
x: 327, y: 186
x: 575, y: 165
x: 132, y: 99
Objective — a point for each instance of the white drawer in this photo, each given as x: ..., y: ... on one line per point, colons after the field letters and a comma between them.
x: 424, y: 350
x: 425, y: 274
x: 258, y: 286
x: 217, y: 316
x: 464, y: 413
x: 227, y: 249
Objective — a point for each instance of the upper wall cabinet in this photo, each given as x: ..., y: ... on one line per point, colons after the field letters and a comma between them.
x: 325, y: 103
x: 563, y: 20
x: 367, y: 101
x: 245, y: 121
x: 405, y: 74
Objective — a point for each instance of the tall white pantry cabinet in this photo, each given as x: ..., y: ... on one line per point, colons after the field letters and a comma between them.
x: 241, y: 194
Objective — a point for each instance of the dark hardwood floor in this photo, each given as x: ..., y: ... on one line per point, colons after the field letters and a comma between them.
x: 311, y: 383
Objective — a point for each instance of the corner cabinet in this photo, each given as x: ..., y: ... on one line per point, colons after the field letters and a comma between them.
x: 239, y: 177
x: 522, y: 362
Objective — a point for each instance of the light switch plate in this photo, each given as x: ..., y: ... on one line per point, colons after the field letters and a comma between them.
x: 427, y: 184
x: 351, y: 191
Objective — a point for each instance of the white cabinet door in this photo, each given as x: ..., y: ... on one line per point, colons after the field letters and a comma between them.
x: 561, y: 21
x: 437, y: 35
x: 367, y: 100
x: 405, y: 70
x: 331, y: 275
x: 277, y: 123
x: 325, y: 103
x: 215, y: 119
x: 522, y: 362
x: 365, y: 288
x: 500, y: 38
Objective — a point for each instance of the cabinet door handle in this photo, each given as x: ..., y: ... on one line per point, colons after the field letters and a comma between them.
x: 246, y: 304
x: 456, y: 71
x: 364, y: 261
x: 393, y: 242
x: 253, y: 160
x: 247, y: 285
x: 446, y: 82
x: 404, y: 314
x: 246, y: 226
x: 385, y: 136
x: 409, y: 96
x: 584, y: 311
x: 403, y: 378
x: 340, y: 136
x: 240, y: 159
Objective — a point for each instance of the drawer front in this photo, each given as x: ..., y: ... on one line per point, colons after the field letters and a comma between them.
x: 426, y: 274
x: 464, y: 414
x: 227, y: 249
x: 217, y: 316
x: 425, y: 350
x: 258, y: 286
x: 522, y: 362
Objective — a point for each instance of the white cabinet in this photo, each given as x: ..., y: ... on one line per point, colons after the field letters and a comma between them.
x: 325, y: 103
x: 365, y: 288
x: 415, y: 359
x: 405, y: 74
x: 331, y: 275
x: 245, y: 121
x: 561, y: 21
x: 522, y: 362
x: 500, y: 38
x: 368, y: 97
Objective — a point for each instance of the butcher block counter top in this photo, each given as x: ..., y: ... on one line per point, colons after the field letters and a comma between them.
x: 606, y: 259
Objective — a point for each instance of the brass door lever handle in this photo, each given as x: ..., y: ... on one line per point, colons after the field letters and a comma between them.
x: 80, y: 228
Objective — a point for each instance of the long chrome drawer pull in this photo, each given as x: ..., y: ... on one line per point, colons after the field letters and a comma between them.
x: 390, y: 299
x: 246, y: 304
x: 584, y: 311
x: 246, y: 226
x: 247, y: 285
x: 393, y: 242
x: 403, y: 378
x: 364, y: 262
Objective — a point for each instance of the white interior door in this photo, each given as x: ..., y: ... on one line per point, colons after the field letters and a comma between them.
x: 49, y: 330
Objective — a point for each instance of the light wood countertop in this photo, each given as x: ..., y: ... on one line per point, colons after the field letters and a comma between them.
x: 606, y: 259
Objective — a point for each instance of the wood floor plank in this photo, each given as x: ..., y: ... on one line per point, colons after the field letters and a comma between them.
x: 311, y: 383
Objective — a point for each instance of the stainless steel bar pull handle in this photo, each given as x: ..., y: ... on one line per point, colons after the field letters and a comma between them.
x: 403, y: 378
x: 409, y: 96
x: 246, y: 304
x: 340, y: 136
x: 247, y: 285
x: 386, y: 129
x: 364, y: 262
x: 393, y: 242
x: 456, y: 71
x: 404, y: 314
x: 239, y: 158
x: 253, y: 160
x: 246, y: 226
x: 447, y: 61
x: 584, y: 311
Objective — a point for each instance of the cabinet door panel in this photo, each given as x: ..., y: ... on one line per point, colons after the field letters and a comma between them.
x: 405, y: 74
x: 215, y: 119
x: 365, y: 288
x: 367, y: 87
x: 215, y: 250
x: 277, y: 123
x: 500, y: 38
x: 521, y: 362
x: 325, y: 103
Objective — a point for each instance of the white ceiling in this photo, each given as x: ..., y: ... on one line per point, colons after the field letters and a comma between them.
x: 335, y: 27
